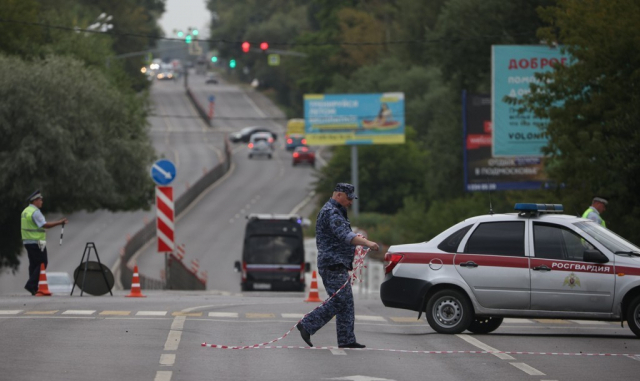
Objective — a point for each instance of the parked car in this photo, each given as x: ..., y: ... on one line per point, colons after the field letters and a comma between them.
x: 261, y: 144
x: 244, y: 135
x: 294, y: 140
x: 303, y: 155
x: 535, y: 263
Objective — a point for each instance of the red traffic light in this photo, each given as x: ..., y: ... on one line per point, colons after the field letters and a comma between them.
x: 264, y: 46
x: 246, y: 46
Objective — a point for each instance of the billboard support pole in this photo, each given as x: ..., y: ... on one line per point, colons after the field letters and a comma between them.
x: 355, y: 208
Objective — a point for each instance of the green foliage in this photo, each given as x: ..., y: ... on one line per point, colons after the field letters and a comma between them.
x: 401, y: 166
x: 75, y: 137
x: 593, y: 106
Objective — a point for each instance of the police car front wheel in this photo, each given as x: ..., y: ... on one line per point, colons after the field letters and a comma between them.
x: 449, y: 311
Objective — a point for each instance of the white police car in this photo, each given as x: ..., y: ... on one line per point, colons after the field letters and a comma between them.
x: 536, y: 263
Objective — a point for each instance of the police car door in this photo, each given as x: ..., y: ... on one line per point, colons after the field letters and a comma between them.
x: 560, y: 279
x: 494, y: 265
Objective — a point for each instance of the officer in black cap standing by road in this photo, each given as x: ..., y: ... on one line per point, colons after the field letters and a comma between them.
x: 336, y: 247
x: 34, y: 238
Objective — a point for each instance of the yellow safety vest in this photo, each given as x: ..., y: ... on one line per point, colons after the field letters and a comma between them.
x: 586, y: 213
x: 31, y: 231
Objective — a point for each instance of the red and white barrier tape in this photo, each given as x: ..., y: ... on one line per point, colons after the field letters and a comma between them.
x: 632, y: 355
x: 358, y: 263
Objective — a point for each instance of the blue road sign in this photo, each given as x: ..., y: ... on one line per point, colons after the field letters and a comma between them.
x: 163, y: 172
x: 212, y: 98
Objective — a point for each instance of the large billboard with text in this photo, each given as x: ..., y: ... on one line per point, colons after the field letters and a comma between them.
x: 354, y: 119
x: 483, y: 171
x: 513, y: 69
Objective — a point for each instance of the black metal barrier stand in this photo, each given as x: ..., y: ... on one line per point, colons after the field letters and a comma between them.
x: 87, y: 252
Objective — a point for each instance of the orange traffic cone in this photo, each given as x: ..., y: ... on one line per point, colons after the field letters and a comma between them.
x: 43, y: 286
x: 135, y: 285
x: 313, y: 289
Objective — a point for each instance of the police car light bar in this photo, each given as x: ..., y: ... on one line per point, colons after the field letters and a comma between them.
x: 539, y: 208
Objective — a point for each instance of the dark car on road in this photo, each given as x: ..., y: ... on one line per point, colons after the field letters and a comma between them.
x: 303, y: 155
x: 273, y: 257
x: 244, y: 135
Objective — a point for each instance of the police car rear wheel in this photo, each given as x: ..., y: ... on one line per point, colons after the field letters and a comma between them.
x: 633, y: 315
x: 485, y: 324
x: 449, y: 311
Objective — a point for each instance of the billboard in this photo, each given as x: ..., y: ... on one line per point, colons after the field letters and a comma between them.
x: 483, y: 171
x: 354, y: 119
x: 512, y: 70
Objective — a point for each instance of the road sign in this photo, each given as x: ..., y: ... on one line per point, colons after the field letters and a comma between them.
x: 273, y: 59
x: 212, y: 98
x: 165, y: 219
x: 163, y: 172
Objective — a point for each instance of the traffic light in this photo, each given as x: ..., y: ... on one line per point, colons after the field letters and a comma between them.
x: 245, y: 46
x: 214, y: 59
x: 264, y: 46
x: 232, y: 64
x: 180, y: 34
x: 195, y: 32
x: 188, y: 39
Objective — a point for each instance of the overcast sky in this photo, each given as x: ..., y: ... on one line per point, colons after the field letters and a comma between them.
x: 182, y: 14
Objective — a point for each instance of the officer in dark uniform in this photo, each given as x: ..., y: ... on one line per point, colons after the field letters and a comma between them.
x: 336, y: 247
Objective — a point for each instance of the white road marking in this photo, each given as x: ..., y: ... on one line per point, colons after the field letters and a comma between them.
x: 167, y: 359
x: 10, y: 312
x: 163, y: 375
x: 477, y: 343
x: 178, y: 323
x: 79, y: 312
x: 338, y: 352
x: 370, y: 318
x: 173, y: 340
x: 292, y: 316
x: 151, y: 313
x: 223, y: 314
x: 517, y: 321
x: 591, y: 322
x: 531, y: 371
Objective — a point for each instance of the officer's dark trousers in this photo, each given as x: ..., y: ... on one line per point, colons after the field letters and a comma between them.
x: 341, y: 306
x: 36, y: 257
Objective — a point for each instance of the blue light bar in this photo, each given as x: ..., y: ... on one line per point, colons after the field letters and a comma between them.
x: 539, y: 208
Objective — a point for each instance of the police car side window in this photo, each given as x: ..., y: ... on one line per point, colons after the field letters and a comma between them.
x: 451, y: 243
x: 557, y: 242
x: 497, y: 238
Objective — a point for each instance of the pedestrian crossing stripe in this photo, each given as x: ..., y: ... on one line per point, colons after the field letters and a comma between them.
x: 296, y: 316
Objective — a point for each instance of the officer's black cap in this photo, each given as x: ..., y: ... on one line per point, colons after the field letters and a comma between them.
x: 348, y: 189
x: 34, y: 196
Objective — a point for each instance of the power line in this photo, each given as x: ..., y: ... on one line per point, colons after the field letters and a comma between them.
x: 284, y: 44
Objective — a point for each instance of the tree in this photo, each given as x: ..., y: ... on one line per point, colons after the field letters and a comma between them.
x: 75, y: 137
x: 593, y: 107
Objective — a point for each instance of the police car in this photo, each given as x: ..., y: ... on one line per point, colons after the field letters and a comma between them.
x: 535, y: 263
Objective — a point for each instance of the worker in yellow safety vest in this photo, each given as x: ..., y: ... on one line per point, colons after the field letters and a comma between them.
x: 598, y: 205
x: 34, y: 238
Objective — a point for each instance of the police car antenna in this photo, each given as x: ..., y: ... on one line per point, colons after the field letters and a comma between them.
x: 490, y: 205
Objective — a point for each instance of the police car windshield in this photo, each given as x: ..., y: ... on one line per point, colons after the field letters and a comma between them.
x: 607, y: 238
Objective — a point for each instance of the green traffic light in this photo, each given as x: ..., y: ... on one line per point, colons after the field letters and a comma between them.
x: 214, y: 59
x: 232, y: 64
x: 195, y: 32
x: 188, y: 39
x: 180, y: 34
